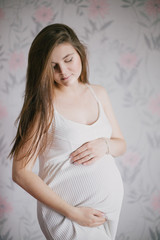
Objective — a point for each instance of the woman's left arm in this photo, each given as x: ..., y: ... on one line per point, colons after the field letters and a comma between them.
x: 116, y: 144
x: 91, y: 151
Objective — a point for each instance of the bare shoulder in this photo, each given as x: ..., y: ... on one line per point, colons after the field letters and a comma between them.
x: 98, y: 88
x: 100, y: 92
x: 103, y: 96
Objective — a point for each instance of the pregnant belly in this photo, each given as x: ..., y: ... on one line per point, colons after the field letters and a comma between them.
x: 98, y: 185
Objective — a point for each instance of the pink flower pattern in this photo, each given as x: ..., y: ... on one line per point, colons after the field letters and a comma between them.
x: 155, y: 202
x: 153, y: 7
x: 130, y: 159
x: 128, y: 60
x: 98, y: 8
x: 5, y: 207
x: 1, y: 14
x: 3, y: 112
x: 154, y: 105
x: 43, y: 14
x: 16, y: 61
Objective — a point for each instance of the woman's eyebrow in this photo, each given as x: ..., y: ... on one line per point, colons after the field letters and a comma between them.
x: 68, y: 55
x: 65, y: 56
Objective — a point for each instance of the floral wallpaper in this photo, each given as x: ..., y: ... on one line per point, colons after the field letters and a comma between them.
x: 123, y: 41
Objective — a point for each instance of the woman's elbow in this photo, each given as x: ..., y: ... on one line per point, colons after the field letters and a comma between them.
x: 18, y: 175
x: 15, y: 176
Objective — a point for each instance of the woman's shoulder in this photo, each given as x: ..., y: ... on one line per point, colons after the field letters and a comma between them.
x: 100, y: 91
x: 97, y: 87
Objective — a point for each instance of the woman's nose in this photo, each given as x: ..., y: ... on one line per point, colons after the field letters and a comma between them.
x: 62, y: 69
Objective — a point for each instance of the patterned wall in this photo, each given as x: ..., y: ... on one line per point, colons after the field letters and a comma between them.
x: 123, y: 40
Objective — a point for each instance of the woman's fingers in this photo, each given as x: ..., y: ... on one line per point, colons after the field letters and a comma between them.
x: 86, y: 162
x: 79, y: 150
x: 98, y: 213
x: 98, y: 221
x: 88, y: 153
x: 84, y: 159
x: 81, y: 155
x: 90, y: 217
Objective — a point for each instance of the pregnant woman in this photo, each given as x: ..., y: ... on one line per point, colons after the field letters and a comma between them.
x: 70, y: 126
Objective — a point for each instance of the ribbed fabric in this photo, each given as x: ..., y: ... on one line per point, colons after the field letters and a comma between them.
x: 98, y: 185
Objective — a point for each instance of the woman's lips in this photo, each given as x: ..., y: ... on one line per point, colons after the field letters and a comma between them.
x: 65, y: 78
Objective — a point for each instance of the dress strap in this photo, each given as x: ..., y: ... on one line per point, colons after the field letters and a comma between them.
x: 92, y: 91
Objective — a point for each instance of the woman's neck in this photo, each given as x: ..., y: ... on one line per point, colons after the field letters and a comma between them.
x: 70, y: 91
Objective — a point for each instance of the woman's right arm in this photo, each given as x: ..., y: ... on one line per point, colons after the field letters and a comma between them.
x: 23, y: 175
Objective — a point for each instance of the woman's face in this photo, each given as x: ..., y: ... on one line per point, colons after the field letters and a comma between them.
x: 66, y: 64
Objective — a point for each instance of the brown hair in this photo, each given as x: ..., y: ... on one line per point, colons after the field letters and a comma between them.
x: 37, y: 112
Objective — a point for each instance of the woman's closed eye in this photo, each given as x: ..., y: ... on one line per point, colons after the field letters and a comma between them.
x: 68, y: 60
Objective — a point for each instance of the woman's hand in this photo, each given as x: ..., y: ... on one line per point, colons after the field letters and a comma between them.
x: 89, y: 217
x: 89, y: 152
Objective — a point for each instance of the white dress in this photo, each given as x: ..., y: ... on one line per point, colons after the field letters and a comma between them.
x: 98, y: 185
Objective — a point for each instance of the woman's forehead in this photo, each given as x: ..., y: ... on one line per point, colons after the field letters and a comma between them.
x: 61, y: 51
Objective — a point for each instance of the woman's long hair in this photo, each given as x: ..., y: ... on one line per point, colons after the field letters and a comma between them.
x: 37, y: 112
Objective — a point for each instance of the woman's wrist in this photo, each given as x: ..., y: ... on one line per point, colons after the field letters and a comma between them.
x: 72, y: 213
